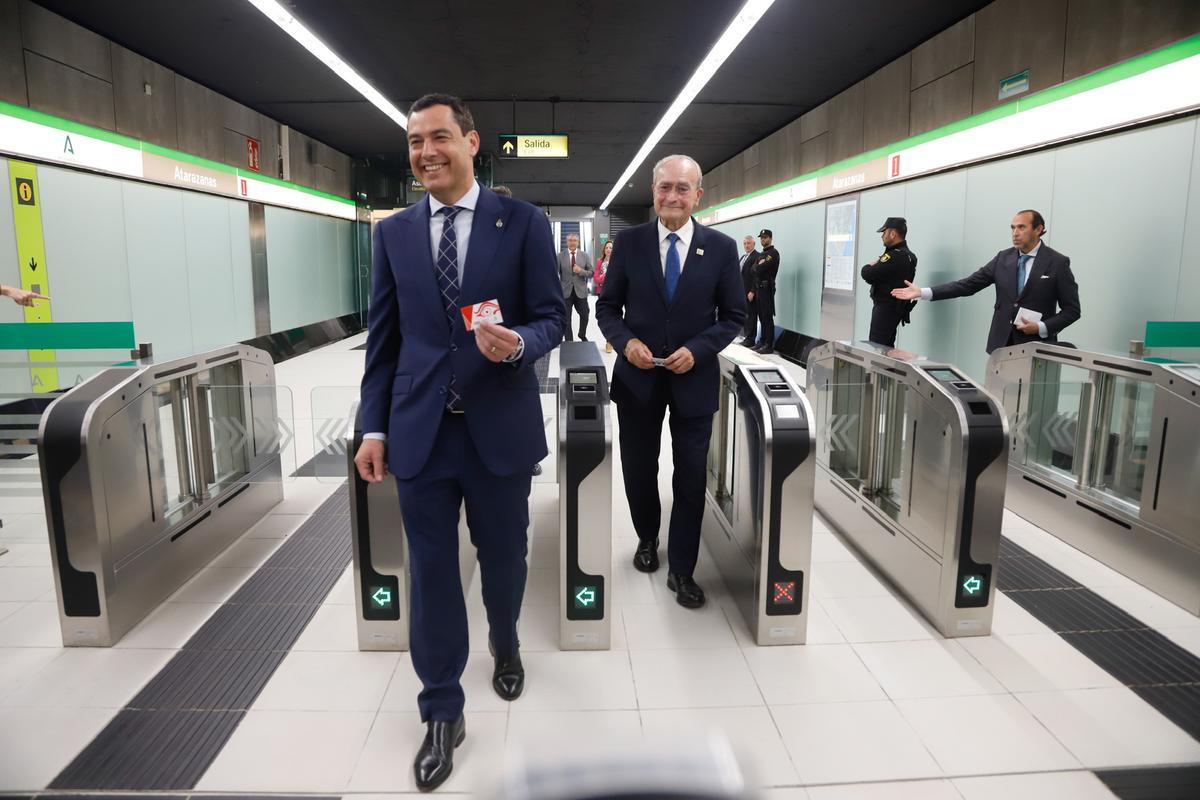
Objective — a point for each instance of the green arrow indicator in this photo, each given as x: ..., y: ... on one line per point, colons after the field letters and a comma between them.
x: 382, y: 597
x: 972, y: 584
x: 585, y: 596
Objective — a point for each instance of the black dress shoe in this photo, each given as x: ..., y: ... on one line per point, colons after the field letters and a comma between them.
x: 435, y: 759
x: 645, y: 558
x: 766, y: 351
x: 508, y: 679
x: 687, y: 592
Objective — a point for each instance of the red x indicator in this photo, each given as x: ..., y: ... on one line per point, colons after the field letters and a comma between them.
x: 785, y: 593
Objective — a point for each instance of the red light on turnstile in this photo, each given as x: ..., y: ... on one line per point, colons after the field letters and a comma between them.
x: 785, y: 593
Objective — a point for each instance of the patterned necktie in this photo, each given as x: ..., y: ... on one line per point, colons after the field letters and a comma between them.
x: 1021, y: 261
x: 672, y: 272
x: 446, y: 267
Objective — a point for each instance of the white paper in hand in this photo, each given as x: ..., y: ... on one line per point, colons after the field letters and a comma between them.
x: 1025, y: 315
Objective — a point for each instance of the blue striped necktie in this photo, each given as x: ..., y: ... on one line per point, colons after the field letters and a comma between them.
x: 446, y: 268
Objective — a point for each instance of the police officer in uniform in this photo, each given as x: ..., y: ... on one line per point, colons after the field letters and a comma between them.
x: 765, y: 273
x: 890, y: 271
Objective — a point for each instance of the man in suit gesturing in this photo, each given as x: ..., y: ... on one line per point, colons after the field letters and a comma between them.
x: 1028, y: 277
x: 456, y: 412
x: 672, y: 300
x: 575, y: 267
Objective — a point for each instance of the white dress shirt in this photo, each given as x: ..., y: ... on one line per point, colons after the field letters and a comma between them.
x: 927, y: 292
x: 681, y: 247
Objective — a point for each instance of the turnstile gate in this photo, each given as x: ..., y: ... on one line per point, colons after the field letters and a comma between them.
x: 1106, y: 456
x: 759, y: 500
x: 911, y: 462
x: 584, y: 500
x: 380, y: 548
x: 148, y: 473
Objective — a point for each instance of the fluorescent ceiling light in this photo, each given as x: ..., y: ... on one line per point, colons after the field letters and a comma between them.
x: 295, y: 28
x: 746, y: 18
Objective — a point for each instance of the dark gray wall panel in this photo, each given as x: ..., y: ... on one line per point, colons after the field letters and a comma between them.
x: 150, y: 117
x: 942, y: 101
x: 198, y: 110
x: 1101, y: 32
x: 67, y: 92
x: 12, y: 59
x: 1014, y: 35
x: 65, y: 42
x: 846, y: 123
x: 944, y: 53
x: 815, y: 122
x: 885, y: 117
x: 814, y: 153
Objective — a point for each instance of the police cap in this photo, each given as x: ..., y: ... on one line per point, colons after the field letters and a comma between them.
x: 896, y: 223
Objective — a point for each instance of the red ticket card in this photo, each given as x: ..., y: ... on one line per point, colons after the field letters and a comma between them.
x: 487, y: 311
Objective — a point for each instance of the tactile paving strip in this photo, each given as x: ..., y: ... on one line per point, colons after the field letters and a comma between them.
x: 1161, y: 672
x: 171, y: 732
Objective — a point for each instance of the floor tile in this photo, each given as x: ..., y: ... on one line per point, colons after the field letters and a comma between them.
x: 750, y: 731
x: 25, y: 584
x: 1036, y: 663
x: 812, y: 674
x: 8, y: 608
x: 26, y: 554
x: 1009, y: 619
x: 547, y: 738
x: 385, y: 764
x: 36, y: 743
x: 169, y: 626
x: 19, y: 663
x: 571, y: 681
x: 827, y: 547
x: 32, y: 625
x: 930, y: 668
x: 212, y: 585
x: 291, y: 751
x: 329, y: 682
x: 342, y: 593
x: 401, y: 695
x: 784, y: 793
x: 1148, y: 607
x: 875, y: 619
x: 1096, y: 725
x: 1187, y: 638
x: 671, y: 626
x: 24, y: 527
x: 304, y: 496
x: 1039, y: 786
x: 333, y: 627
x: 276, y: 526
x: 852, y: 742
x: 246, y: 553
x: 846, y: 579
x: 983, y: 735
x: 88, y: 677
x: 693, y: 679
x: 898, y: 790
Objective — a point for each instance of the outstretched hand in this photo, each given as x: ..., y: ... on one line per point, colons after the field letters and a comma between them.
x: 907, y: 292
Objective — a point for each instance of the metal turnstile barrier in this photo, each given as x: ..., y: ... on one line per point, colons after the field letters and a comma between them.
x: 759, y: 500
x: 1106, y: 456
x: 380, y: 548
x: 148, y: 473
x: 911, y: 469
x: 584, y: 499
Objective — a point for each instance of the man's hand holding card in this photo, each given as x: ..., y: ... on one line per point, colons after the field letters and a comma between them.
x: 493, y: 340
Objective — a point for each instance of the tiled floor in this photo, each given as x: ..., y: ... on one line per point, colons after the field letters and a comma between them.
x: 875, y: 705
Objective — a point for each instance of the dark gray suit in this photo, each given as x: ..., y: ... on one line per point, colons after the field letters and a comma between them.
x: 1049, y: 288
x: 574, y: 286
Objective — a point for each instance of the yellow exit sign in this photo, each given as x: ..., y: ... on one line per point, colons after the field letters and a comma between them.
x: 533, y: 145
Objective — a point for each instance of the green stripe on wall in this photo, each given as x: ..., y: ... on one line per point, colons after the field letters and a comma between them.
x: 1185, y: 48
x: 66, y: 336
x: 1172, y: 334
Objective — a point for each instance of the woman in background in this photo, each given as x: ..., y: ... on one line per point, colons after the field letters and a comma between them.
x: 601, y: 272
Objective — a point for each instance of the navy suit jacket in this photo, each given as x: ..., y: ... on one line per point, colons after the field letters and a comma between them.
x: 412, y: 349
x: 1049, y: 288
x: 708, y: 310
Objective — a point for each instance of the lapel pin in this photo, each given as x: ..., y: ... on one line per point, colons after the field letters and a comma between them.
x: 699, y: 251
x: 499, y: 223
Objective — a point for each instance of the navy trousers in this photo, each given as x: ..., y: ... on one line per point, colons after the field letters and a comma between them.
x: 641, y: 435
x: 498, y: 517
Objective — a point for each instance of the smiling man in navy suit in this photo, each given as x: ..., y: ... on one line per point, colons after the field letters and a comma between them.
x: 1029, y: 275
x: 673, y: 299
x: 455, y: 414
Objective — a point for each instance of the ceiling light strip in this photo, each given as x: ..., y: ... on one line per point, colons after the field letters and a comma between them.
x: 309, y: 41
x: 742, y: 23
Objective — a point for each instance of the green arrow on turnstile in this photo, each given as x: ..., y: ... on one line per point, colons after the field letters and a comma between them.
x: 972, y: 584
x: 382, y: 597
x: 585, y: 596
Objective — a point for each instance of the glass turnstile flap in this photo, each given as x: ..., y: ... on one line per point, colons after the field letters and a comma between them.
x: 183, y: 441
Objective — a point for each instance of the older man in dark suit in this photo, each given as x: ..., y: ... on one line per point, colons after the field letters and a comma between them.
x: 673, y: 299
x: 1029, y: 277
